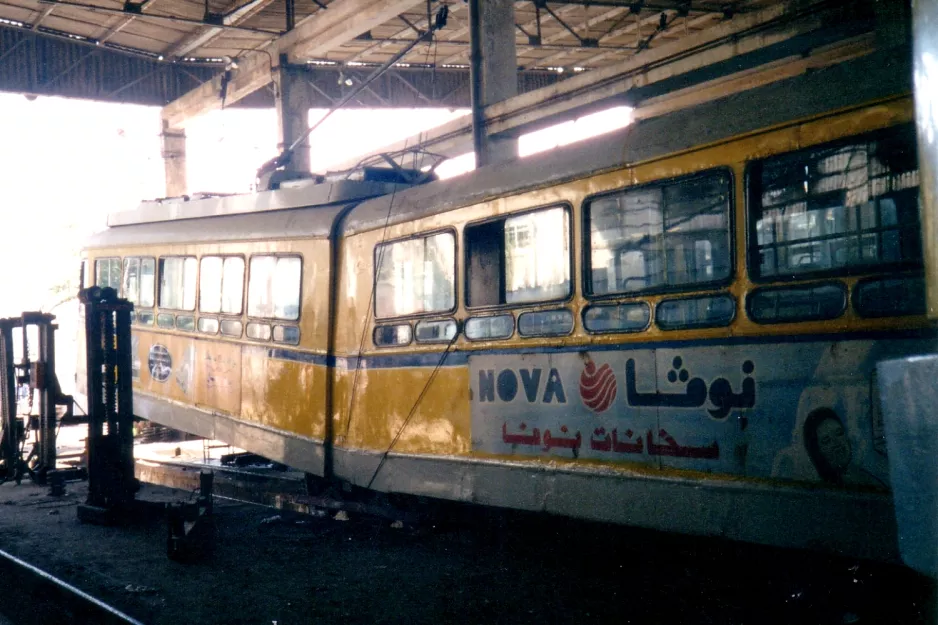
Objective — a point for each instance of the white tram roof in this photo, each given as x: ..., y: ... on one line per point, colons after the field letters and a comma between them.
x: 306, y: 209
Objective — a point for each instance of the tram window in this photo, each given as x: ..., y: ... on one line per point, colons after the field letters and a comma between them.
x: 166, y: 320
x: 695, y: 312
x: 145, y: 317
x: 209, y: 325
x: 497, y: 327
x: 221, y: 284
x: 287, y: 334
x: 274, y: 287
x: 890, y: 297
x: 628, y: 317
x: 798, y: 303
x: 520, y: 259
x: 186, y: 323
x: 386, y: 336
x: 662, y: 235
x: 436, y: 331
x: 546, y: 323
x: 107, y: 273
x: 258, y: 331
x: 837, y: 207
x: 178, y: 275
x: 415, y: 276
x: 231, y: 327
x: 139, y: 280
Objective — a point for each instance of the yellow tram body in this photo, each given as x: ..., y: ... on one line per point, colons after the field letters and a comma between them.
x: 399, y: 417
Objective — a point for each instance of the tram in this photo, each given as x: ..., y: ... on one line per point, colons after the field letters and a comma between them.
x: 674, y: 326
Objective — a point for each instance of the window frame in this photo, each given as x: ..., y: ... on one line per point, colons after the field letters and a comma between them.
x: 698, y: 326
x: 500, y: 313
x: 246, y: 304
x: 844, y: 308
x: 568, y: 207
x: 414, y: 316
x: 751, y: 242
x: 649, y: 307
x: 586, y: 273
x: 244, y: 279
x: 120, y: 264
x: 854, y: 293
x: 159, y: 283
x: 156, y: 280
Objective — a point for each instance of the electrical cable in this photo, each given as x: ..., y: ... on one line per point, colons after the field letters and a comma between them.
x: 413, y: 410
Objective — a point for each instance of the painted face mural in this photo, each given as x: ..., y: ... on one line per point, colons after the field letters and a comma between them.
x: 827, y: 444
x: 833, y: 444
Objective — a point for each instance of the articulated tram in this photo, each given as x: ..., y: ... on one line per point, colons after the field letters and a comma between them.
x: 674, y: 326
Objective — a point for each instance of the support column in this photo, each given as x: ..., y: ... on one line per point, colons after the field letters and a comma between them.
x: 174, y: 160
x: 293, y: 95
x: 494, y: 74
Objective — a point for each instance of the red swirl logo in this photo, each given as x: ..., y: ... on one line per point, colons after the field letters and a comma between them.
x: 597, y: 387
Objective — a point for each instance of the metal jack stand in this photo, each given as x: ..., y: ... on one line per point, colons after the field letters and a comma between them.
x: 189, y: 525
x: 112, y: 486
x: 38, y: 376
x: 111, y: 481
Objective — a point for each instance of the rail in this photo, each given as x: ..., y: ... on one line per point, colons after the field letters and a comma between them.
x: 34, y: 596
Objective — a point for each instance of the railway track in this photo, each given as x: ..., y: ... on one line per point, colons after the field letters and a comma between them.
x: 35, y: 596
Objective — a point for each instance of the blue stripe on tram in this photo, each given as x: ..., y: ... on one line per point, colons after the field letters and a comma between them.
x: 458, y: 358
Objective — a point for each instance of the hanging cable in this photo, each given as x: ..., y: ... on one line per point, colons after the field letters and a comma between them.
x: 413, y: 410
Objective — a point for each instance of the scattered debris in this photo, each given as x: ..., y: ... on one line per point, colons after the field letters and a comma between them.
x: 140, y: 590
x: 397, y: 525
x: 51, y: 512
x: 341, y: 515
x: 272, y: 519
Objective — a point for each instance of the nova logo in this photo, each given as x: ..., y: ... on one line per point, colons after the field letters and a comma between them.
x: 507, y: 383
x: 597, y: 386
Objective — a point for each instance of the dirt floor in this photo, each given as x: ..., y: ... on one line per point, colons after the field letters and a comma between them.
x: 462, y: 566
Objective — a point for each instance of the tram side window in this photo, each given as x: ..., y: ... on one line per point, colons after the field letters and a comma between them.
x: 837, y: 207
x: 521, y: 259
x: 107, y: 273
x: 139, y: 280
x: 415, y: 276
x: 274, y: 287
x: 178, y: 276
x: 663, y: 235
x: 221, y: 284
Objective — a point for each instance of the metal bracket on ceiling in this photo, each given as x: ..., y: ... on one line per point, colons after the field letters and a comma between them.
x: 135, y: 8
x: 585, y: 42
x: 533, y: 40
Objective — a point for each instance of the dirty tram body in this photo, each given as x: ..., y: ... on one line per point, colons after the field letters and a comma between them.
x: 675, y: 326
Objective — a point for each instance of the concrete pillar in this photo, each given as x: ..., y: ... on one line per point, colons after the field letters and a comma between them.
x: 493, y: 72
x: 174, y: 159
x: 293, y: 96
x: 925, y: 86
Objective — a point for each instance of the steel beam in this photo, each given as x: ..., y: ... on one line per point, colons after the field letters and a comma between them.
x: 237, y: 13
x: 317, y: 34
x: 754, y: 34
x: 121, y: 25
